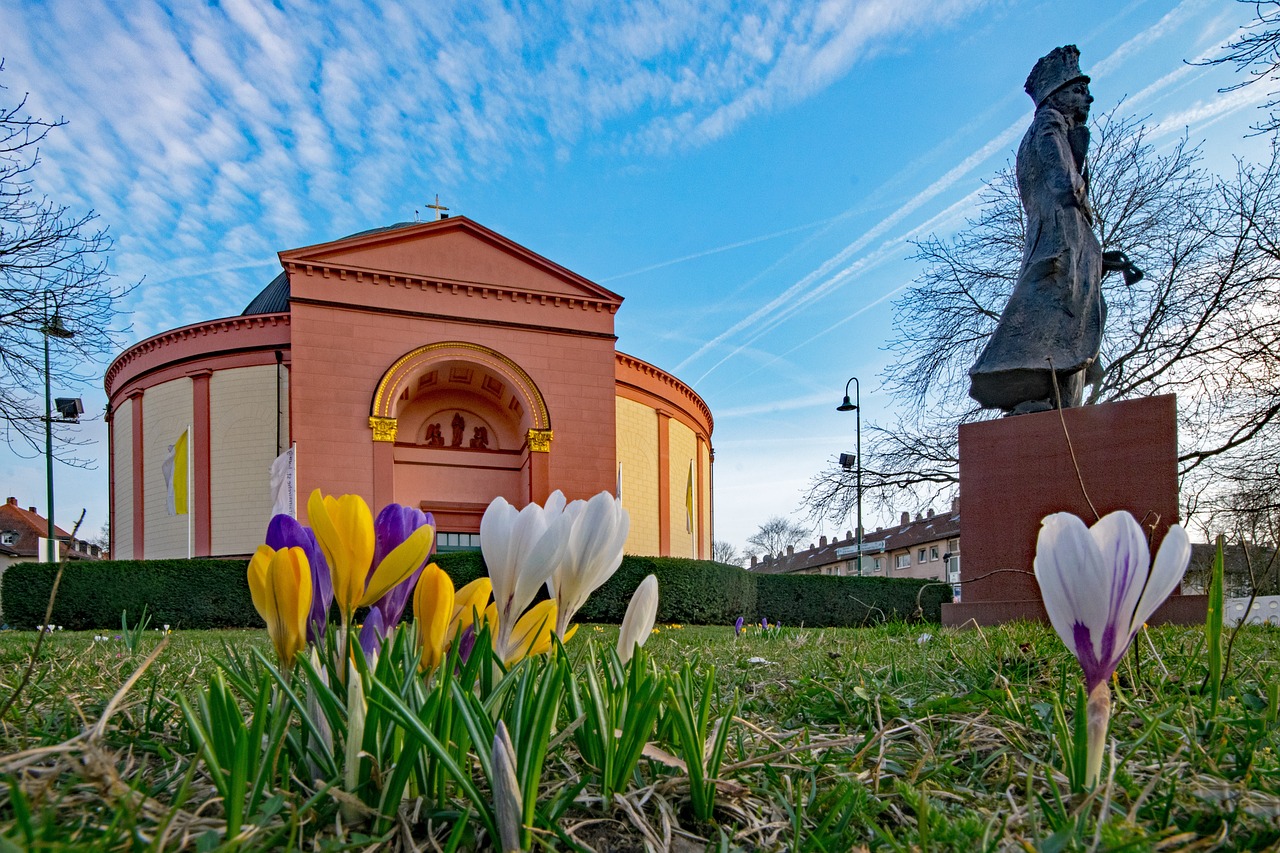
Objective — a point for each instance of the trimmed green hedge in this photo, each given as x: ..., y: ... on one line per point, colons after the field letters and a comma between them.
x: 206, y: 593
x: 186, y: 594
x: 821, y: 601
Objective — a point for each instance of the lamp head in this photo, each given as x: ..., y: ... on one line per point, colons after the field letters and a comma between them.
x: 846, y: 406
x: 55, y: 329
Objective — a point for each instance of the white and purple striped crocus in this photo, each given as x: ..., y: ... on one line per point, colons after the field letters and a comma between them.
x: 284, y: 531
x: 1099, y: 587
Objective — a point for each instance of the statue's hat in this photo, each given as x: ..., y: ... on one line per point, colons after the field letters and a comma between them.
x: 1060, y: 67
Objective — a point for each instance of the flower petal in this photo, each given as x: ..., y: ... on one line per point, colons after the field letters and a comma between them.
x: 1124, y: 551
x: 637, y: 624
x: 344, y: 529
x: 469, y: 605
x: 406, y: 559
x: 258, y: 584
x: 285, y: 531
x: 1170, y: 565
x: 597, y: 532
x: 532, y: 632
x: 1067, y: 557
x: 433, y: 608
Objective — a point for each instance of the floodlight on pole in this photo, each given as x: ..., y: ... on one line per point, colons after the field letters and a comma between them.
x: 856, y: 408
x: 51, y: 328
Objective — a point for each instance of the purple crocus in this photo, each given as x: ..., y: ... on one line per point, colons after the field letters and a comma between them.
x: 285, y: 531
x: 737, y: 626
x: 392, y: 527
x: 371, y: 633
x: 764, y: 622
x: 466, y: 642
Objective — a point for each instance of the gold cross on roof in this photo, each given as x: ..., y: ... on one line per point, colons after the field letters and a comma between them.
x: 437, y: 207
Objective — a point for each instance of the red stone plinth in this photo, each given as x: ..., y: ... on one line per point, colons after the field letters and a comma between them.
x: 1015, y: 471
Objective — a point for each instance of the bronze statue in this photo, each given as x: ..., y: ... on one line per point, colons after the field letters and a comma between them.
x: 1053, y: 321
x: 458, y: 425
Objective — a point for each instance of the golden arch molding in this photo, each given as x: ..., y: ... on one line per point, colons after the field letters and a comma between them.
x: 382, y: 414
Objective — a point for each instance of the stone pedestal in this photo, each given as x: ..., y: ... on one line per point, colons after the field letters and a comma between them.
x: 1014, y: 471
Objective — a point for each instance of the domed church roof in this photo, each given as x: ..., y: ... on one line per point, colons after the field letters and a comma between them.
x: 274, y: 298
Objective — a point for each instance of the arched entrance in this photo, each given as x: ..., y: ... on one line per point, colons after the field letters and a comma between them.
x: 455, y: 425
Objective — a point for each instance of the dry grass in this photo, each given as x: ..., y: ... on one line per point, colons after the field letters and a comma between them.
x: 888, y: 738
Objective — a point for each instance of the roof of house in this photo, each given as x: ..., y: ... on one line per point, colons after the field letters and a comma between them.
x: 29, y: 526
x: 925, y: 527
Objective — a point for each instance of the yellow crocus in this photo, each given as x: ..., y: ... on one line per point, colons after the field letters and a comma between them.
x: 345, y: 530
x: 532, y: 632
x: 280, y: 583
x: 470, y: 602
x: 433, y: 608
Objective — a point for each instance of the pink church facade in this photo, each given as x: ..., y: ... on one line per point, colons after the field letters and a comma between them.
x: 435, y: 364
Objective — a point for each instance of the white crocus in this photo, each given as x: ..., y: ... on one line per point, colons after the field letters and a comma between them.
x: 598, y: 530
x: 1099, y: 588
x: 637, y: 624
x: 520, y: 549
x: 507, y: 800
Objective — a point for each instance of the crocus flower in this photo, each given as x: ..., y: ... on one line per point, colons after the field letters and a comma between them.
x: 637, y: 624
x: 520, y: 549
x: 466, y: 642
x: 433, y: 608
x: 764, y: 622
x: 345, y: 530
x: 394, y: 525
x: 507, y: 799
x: 284, y: 531
x: 597, y: 532
x: 469, y: 605
x: 531, y: 634
x: 1099, y: 587
x: 371, y: 634
x: 280, y: 584
x: 737, y: 626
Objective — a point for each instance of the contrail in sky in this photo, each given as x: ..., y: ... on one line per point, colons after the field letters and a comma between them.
x: 816, y: 284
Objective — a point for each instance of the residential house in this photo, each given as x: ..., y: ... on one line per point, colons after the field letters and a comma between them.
x: 21, y: 530
x: 926, y: 546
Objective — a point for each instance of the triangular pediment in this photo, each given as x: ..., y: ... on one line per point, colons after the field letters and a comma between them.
x: 455, y: 250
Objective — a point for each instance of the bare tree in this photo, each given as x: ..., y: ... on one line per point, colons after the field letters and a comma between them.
x: 53, y: 263
x: 776, y: 534
x: 1257, y: 52
x: 1204, y: 323
x: 725, y: 552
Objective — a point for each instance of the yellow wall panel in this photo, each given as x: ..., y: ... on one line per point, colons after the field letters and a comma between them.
x: 166, y: 412
x: 243, y: 443
x: 637, y: 439
x: 682, y: 452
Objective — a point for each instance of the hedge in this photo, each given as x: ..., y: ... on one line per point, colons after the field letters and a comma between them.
x: 205, y: 593
x: 188, y: 594
x: 822, y: 601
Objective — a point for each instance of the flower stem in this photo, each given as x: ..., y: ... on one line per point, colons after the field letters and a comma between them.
x: 1098, y: 715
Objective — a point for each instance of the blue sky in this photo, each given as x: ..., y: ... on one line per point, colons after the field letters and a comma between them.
x: 748, y: 175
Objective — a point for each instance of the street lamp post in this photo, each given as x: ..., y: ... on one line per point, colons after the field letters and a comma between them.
x: 856, y: 408
x: 52, y: 328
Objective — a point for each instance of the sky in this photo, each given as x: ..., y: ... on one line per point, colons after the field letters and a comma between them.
x: 750, y: 176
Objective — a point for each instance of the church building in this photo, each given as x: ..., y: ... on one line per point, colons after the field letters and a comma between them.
x: 435, y: 364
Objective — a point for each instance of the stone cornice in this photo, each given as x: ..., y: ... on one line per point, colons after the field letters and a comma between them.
x: 457, y: 287
x: 187, y: 341
x: 647, y: 374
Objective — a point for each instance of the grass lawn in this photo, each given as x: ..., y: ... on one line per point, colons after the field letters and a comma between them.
x: 888, y: 738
